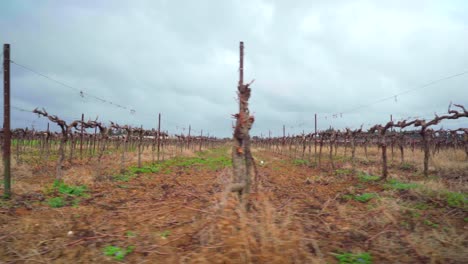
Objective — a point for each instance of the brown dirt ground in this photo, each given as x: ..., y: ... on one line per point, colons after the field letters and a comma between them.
x: 298, y: 215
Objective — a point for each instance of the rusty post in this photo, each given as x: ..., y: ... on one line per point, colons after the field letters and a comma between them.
x: 6, y: 121
x: 159, y: 133
x: 81, y: 136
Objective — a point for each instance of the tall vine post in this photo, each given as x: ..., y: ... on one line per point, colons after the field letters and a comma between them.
x: 242, y: 160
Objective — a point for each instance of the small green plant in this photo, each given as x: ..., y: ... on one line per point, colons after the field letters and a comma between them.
x: 125, y: 177
x: 343, y: 172
x: 146, y: 169
x: 165, y: 234
x: 299, y: 162
x: 430, y: 223
x: 421, y: 206
x: 405, y: 166
x: 365, y: 197
x: 56, y: 202
x: 350, y: 258
x: 117, y: 252
x: 62, y: 191
x: 71, y: 190
x: 360, y: 186
x: 396, y: 185
x: 455, y: 199
x: 364, y: 177
x: 415, y: 214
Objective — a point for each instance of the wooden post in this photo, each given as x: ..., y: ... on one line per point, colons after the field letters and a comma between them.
x: 201, y: 140
x: 269, y: 139
x: 242, y: 160
x: 284, y: 139
x: 159, y: 133
x: 188, y: 138
x: 81, y: 136
x: 140, y: 142
x: 6, y: 121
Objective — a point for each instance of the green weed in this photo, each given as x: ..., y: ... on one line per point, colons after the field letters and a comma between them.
x: 146, y: 169
x: 364, y: 177
x: 396, y: 185
x: 365, y: 197
x: 455, y: 199
x: 430, y: 223
x: 343, y: 171
x: 70, y: 190
x: 62, y: 190
x: 125, y: 177
x: 299, y: 162
x: 117, y: 252
x: 202, y: 160
x: 56, y: 202
x: 350, y: 258
x: 165, y: 234
x: 405, y: 166
x: 421, y: 206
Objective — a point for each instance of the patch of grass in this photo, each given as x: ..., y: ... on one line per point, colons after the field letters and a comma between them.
x: 61, y: 191
x: 406, y: 166
x: 145, y: 169
x: 350, y: 258
x: 455, y: 199
x: 396, y: 185
x: 360, y: 186
x: 165, y: 234
x: 340, y: 172
x: 56, y: 202
x: 365, y: 197
x: 364, y: 177
x: 421, y: 206
x: 415, y: 214
x: 70, y: 190
x: 430, y: 223
x: 203, y: 159
x: 125, y: 177
x: 299, y: 162
x: 117, y: 252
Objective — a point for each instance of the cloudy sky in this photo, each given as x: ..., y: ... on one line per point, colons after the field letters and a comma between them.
x: 180, y: 58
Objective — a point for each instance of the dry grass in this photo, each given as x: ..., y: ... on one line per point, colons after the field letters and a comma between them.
x: 299, y: 214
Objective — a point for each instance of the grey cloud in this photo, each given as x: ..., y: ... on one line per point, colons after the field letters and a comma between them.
x: 180, y: 58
